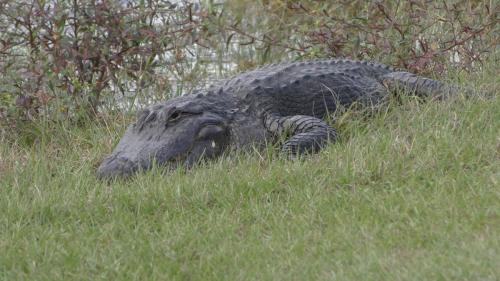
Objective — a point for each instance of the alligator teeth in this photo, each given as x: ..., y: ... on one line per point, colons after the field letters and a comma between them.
x: 213, y: 144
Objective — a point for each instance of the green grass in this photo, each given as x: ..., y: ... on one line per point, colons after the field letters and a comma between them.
x: 409, y: 194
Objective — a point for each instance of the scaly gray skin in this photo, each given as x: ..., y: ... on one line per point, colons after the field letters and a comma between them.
x: 280, y: 100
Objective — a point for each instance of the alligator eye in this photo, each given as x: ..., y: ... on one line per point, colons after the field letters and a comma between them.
x: 178, y: 114
x: 174, y: 116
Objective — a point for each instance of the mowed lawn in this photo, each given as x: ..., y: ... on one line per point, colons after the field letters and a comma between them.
x: 412, y: 193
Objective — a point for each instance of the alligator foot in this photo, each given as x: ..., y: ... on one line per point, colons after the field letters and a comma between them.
x: 304, y: 133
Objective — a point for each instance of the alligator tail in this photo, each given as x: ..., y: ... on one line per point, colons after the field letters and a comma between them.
x: 420, y: 86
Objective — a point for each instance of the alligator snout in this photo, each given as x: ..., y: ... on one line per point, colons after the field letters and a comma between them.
x: 114, y: 167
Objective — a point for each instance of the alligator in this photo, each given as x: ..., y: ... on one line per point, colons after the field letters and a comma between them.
x: 287, y: 101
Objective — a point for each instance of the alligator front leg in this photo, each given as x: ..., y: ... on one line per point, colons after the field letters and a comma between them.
x: 304, y: 133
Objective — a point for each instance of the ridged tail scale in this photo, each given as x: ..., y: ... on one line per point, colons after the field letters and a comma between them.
x: 418, y: 85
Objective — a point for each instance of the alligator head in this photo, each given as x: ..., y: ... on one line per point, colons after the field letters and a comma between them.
x: 181, y: 131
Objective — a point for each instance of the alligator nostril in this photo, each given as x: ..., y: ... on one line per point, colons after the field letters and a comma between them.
x: 115, y: 167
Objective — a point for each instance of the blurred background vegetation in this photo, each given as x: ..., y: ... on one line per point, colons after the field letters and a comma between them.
x: 84, y: 59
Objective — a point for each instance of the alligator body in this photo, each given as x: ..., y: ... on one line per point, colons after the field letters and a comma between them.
x: 287, y: 101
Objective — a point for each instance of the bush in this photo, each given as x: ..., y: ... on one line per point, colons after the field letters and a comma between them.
x: 420, y: 36
x: 82, y: 58
x: 67, y: 58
